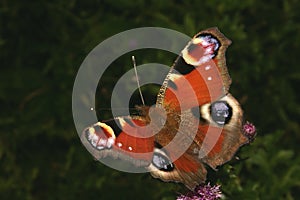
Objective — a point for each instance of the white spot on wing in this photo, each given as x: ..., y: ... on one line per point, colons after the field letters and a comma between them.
x: 119, y: 144
x: 102, y: 142
x: 110, y: 142
x: 94, y: 140
x: 100, y: 147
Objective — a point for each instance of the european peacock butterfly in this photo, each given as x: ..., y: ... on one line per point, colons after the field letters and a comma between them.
x: 195, y: 121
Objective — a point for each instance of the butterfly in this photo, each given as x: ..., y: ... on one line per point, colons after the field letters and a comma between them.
x: 195, y: 122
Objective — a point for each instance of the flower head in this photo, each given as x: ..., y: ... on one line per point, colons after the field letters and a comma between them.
x: 203, y: 192
x: 249, y: 130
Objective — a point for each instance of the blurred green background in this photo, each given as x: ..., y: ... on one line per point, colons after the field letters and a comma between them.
x: 42, y: 45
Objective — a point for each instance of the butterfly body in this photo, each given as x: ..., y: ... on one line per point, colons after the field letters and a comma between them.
x: 195, y: 121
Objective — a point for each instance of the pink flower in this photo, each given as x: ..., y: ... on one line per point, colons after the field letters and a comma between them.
x: 203, y: 192
x: 249, y: 130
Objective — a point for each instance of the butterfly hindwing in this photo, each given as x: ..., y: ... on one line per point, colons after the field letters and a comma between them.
x: 228, y: 127
x: 179, y: 171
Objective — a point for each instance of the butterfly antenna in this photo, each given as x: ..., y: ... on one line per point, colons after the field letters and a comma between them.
x: 137, y: 79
